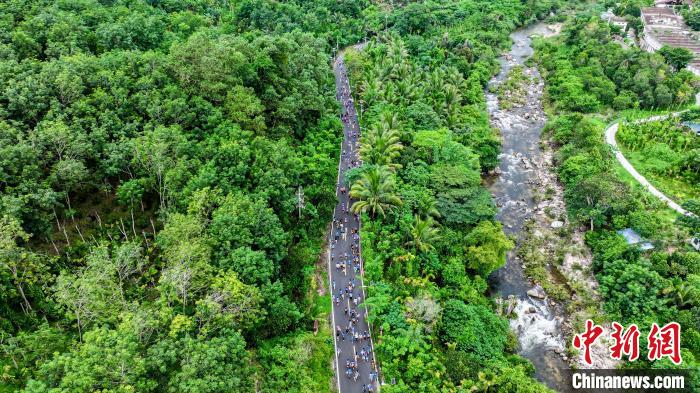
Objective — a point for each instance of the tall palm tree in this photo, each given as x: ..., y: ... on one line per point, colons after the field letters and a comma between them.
x: 424, y: 233
x: 682, y: 295
x: 389, y: 120
x: 374, y: 192
x: 451, y: 105
x: 405, y: 92
x: 454, y: 77
x: 427, y: 207
x: 435, y: 84
x: 397, y: 50
x: 381, y: 146
x: 370, y: 88
x: 385, y: 69
x: 399, y: 71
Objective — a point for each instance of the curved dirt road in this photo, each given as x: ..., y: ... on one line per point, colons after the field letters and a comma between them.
x: 610, y: 140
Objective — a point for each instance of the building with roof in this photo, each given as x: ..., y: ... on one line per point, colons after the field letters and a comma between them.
x: 695, y: 243
x: 663, y: 26
x: 614, y: 20
x: 693, y: 126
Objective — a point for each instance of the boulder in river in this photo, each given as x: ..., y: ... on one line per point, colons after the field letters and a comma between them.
x: 537, y: 292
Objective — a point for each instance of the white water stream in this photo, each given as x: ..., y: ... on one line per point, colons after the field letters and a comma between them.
x: 536, y: 324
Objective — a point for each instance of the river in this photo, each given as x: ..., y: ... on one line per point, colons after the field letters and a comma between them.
x: 537, y: 322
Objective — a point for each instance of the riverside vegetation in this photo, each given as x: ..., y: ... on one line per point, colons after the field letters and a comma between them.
x: 589, y: 78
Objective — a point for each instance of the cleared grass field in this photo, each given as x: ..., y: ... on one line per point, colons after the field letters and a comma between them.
x: 678, y: 189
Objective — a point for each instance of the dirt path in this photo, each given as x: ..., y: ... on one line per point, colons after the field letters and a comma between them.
x: 610, y: 140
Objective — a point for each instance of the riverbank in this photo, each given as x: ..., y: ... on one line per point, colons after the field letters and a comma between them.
x: 638, y: 285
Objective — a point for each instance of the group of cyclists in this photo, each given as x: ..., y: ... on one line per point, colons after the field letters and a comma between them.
x: 347, y: 294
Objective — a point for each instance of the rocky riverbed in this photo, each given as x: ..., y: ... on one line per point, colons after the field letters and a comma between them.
x: 546, y: 287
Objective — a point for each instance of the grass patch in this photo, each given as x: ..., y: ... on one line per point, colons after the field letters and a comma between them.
x: 677, y: 189
x: 322, y: 305
x: 535, y: 255
x: 639, y: 114
x: 668, y: 227
x: 665, y: 213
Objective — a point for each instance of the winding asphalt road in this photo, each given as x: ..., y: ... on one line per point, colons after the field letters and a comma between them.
x: 610, y: 139
x: 344, y: 227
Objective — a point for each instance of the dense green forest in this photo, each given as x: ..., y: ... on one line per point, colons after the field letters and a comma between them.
x: 591, y: 72
x: 587, y: 72
x: 151, y: 155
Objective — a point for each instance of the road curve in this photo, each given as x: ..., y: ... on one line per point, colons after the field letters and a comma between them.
x: 610, y: 133
x: 348, y: 315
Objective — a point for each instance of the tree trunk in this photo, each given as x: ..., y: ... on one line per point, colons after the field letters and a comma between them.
x: 80, y: 329
x: 72, y: 216
x: 58, y: 223
x: 80, y: 233
x: 122, y: 229
x: 24, y: 298
x: 66, y: 235
x: 54, y: 247
x: 133, y: 223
